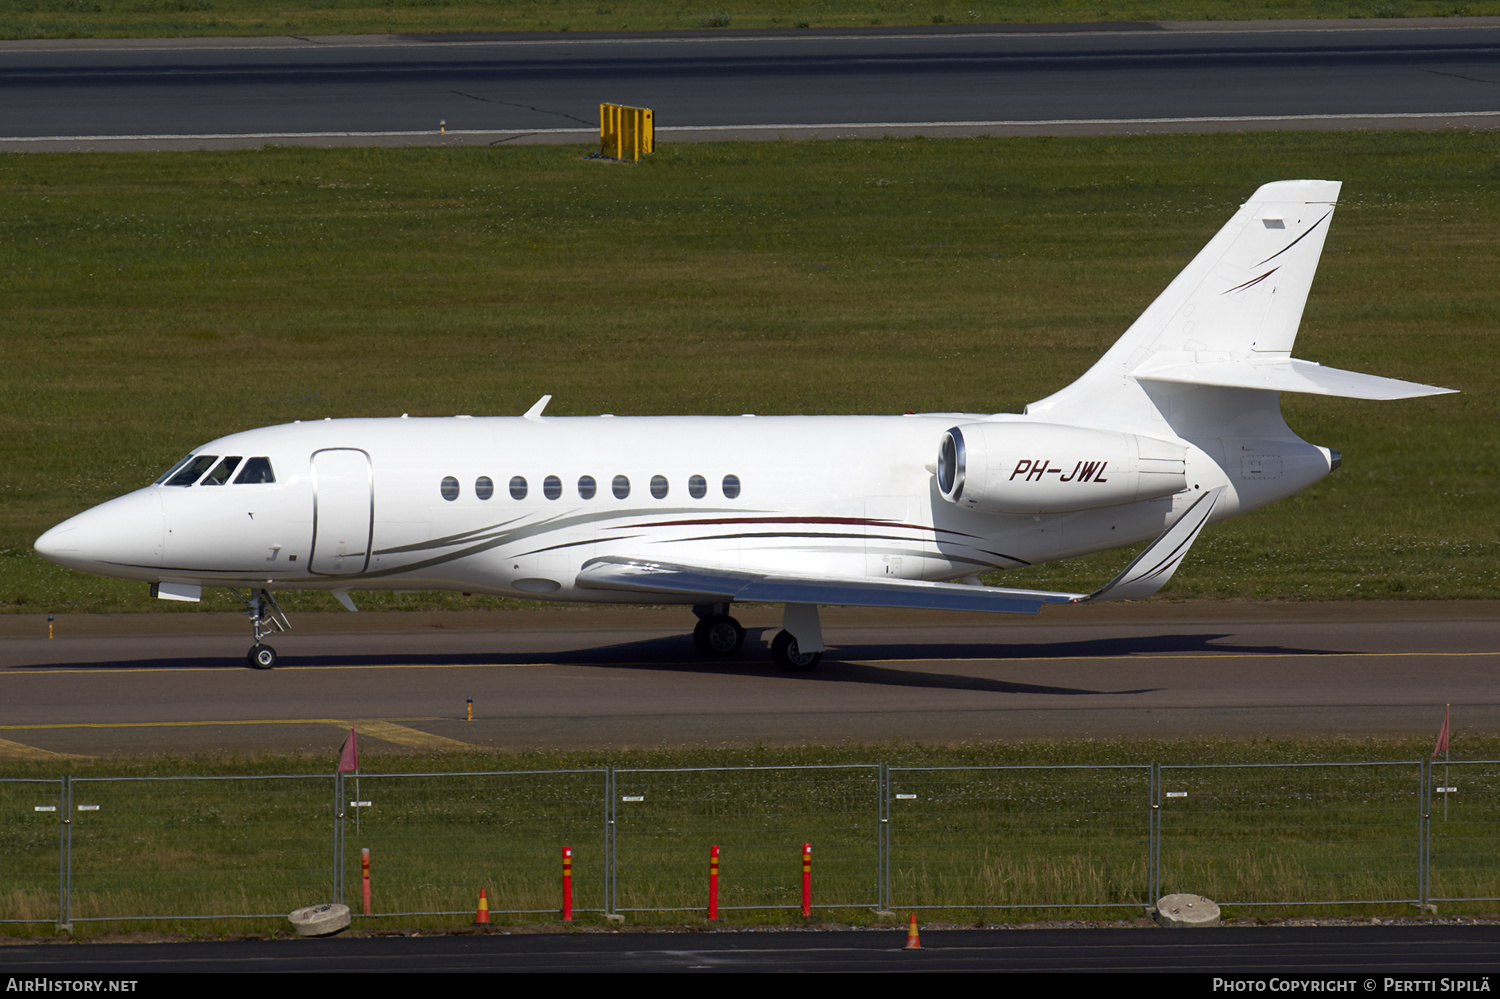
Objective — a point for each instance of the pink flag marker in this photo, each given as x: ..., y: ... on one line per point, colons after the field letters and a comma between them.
x: 349, y: 753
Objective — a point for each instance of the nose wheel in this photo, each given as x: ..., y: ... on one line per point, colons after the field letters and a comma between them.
x: 266, y: 618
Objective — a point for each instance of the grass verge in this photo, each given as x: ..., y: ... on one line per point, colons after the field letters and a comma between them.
x: 188, y: 18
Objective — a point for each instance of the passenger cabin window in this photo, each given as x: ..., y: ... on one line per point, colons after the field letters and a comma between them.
x: 189, y: 472
x: 484, y: 487
x: 222, y: 471
x: 731, y: 486
x: 697, y: 487
x: 256, y: 470
x: 587, y: 487
x: 621, y: 487
x: 659, y: 487
x: 518, y: 487
x: 552, y: 487
x: 449, y: 488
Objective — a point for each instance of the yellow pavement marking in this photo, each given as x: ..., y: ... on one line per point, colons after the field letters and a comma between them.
x: 18, y: 751
x: 1127, y: 657
x: 389, y: 731
x: 374, y: 728
x: 403, y: 736
x: 43, y: 668
x: 186, y: 724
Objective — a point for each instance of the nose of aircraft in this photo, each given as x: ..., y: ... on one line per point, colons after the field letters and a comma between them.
x: 120, y: 538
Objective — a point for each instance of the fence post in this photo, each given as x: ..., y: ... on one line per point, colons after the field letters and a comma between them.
x: 65, y: 857
x: 609, y: 841
x: 883, y: 838
x: 338, y: 838
x: 1424, y: 834
x: 1153, y: 836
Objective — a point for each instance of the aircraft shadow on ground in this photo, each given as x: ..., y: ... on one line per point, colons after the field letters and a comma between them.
x: 871, y: 663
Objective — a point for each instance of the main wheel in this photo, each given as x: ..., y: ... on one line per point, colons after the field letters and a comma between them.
x: 718, y: 636
x: 786, y: 654
x: 261, y: 656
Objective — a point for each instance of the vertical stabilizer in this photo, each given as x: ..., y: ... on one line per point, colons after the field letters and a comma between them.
x: 1239, y: 302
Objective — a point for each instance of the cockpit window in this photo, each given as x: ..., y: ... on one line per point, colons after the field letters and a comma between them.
x: 169, y: 472
x: 189, y: 471
x: 221, y: 472
x: 256, y: 470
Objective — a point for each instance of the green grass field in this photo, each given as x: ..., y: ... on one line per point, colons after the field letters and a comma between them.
x: 185, y: 18
x: 155, y: 301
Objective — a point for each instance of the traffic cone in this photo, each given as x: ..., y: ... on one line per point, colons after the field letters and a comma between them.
x: 913, y: 942
x: 482, y: 917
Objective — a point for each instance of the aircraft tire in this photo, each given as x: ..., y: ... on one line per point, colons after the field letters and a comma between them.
x: 785, y: 653
x: 261, y: 657
x: 719, y: 637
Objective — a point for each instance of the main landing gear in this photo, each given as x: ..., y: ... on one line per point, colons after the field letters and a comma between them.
x: 265, y: 618
x: 797, y: 648
x: 787, y: 655
x: 717, y: 634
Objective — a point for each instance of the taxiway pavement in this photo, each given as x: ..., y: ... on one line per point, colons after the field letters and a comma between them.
x: 609, y: 677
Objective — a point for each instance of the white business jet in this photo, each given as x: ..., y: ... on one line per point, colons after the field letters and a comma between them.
x: 1178, y: 425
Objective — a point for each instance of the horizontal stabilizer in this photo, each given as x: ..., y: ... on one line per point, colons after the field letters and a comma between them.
x: 1287, y: 375
x: 1152, y: 568
x: 719, y: 584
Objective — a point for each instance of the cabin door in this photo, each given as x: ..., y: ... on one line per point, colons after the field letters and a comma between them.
x: 343, y: 511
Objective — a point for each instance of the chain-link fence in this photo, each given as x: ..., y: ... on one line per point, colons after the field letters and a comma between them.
x: 435, y: 839
x: 1014, y: 837
x: 665, y: 821
x: 1336, y: 832
x: 972, y: 838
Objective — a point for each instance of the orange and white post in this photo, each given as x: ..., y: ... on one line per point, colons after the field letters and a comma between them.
x: 713, y: 882
x: 567, y: 884
x: 806, y: 880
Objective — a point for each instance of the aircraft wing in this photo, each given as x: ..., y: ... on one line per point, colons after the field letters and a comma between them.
x: 716, y: 584
x: 721, y: 584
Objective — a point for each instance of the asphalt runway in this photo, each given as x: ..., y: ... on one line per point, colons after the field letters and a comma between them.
x: 944, y: 80
x: 613, y: 678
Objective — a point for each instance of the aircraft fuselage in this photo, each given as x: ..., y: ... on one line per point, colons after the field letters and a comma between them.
x: 516, y: 506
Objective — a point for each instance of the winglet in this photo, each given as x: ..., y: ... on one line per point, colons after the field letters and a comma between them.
x: 535, y: 412
x: 1152, y: 568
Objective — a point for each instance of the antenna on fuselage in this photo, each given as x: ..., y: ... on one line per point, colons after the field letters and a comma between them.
x: 535, y: 412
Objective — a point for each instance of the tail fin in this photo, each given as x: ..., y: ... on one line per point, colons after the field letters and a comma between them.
x: 1228, y: 320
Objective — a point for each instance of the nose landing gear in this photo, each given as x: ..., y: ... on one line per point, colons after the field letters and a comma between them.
x: 266, y: 618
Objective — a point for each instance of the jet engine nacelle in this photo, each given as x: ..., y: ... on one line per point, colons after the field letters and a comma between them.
x: 1008, y: 467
